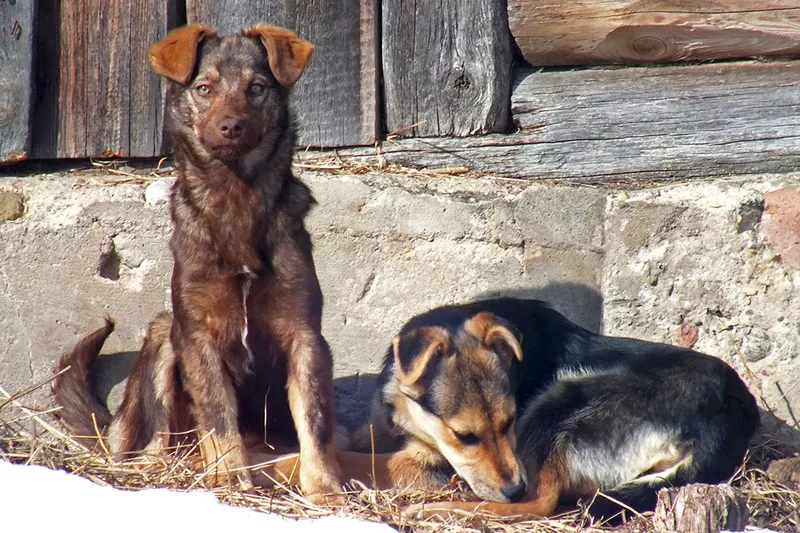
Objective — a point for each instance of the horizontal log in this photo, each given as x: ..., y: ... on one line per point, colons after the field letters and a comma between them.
x: 653, y: 123
x: 588, y: 32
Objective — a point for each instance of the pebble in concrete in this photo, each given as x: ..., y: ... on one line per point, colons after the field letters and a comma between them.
x: 12, y: 205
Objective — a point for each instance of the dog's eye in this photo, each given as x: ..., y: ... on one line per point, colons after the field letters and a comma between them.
x: 256, y: 89
x: 468, y: 439
x: 507, y: 426
x: 203, y: 89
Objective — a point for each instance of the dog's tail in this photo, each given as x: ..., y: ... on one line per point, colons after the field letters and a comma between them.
x: 81, y: 411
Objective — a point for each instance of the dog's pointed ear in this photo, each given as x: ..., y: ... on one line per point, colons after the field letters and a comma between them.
x: 497, y: 334
x: 288, y: 53
x: 414, y: 353
x: 175, y: 55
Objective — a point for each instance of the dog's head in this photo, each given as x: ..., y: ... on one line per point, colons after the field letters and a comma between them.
x: 452, y: 389
x: 229, y: 94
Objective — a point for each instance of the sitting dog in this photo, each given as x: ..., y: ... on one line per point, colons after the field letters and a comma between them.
x: 529, y: 409
x: 242, y: 350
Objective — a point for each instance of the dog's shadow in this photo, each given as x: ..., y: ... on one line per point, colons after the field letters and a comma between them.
x: 110, y: 375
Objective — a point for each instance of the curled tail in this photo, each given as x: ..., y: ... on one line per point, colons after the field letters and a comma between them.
x: 73, y: 388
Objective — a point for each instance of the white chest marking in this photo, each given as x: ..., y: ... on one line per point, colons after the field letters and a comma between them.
x: 248, y: 280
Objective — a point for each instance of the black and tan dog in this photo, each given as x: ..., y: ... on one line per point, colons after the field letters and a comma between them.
x: 529, y: 409
x: 242, y: 350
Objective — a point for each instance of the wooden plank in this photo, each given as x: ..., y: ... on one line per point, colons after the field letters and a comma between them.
x: 100, y: 98
x: 16, y: 78
x: 586, y: 32
x: 656, y: 123
x: 446, y: 67
x: 335, y: 100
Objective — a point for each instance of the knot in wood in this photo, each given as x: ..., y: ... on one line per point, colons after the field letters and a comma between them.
x: 650, y: 47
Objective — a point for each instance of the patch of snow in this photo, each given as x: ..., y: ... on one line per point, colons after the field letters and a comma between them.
x: 53, y: 500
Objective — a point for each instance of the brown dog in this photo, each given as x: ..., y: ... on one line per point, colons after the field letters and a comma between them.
x: 244, y: 338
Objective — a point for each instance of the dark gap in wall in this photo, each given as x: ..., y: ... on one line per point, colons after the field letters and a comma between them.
x: 380, y: 104
x: 46, y: 50
x: 108, y: 264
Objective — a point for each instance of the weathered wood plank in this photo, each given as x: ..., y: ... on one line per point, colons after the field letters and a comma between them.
x: 699, y: 508
x: 586, y: 32
x: 446, y: 67
x: 656, y: 123
x: 16, y: 78
x: 100, y: 98
x: 335, y: 100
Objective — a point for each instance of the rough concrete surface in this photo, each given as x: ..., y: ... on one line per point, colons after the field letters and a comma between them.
x: 686, y: 264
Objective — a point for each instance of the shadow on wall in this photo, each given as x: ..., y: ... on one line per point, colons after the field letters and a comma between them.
x: 110, y: 371
x: 580, y: 303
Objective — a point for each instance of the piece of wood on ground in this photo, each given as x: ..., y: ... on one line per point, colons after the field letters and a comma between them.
x: 446, y: 67
x: 17, y: 24
x: 99, y: 97
x: 335, y: 100
x: 627, y: 125
x: 587, y: 32
x: 700, y: 508
x: 786, y: 472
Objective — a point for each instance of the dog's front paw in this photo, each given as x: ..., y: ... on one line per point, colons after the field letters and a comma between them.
x: 322, y: 485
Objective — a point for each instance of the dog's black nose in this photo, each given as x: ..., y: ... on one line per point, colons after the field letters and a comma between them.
x: 514, y: 491
x: 231, y: 128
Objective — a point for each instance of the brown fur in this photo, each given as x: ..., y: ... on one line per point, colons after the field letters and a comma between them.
x: 244, y: 336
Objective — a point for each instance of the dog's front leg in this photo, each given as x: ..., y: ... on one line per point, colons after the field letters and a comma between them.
x: 215, y: 408
x: 205, y: 349
x: 310, y: 390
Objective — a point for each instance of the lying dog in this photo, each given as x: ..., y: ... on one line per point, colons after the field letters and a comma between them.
x: 244, y: 338
x: 529, y: 409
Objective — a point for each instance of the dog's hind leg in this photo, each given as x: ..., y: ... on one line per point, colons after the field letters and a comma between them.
x: 148, y: 402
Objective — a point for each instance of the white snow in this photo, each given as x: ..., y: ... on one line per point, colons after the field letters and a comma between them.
x: 40, y: 499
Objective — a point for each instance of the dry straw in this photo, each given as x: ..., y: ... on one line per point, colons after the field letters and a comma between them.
x: 29, y: 436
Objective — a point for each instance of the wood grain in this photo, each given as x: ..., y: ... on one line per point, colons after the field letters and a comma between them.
x: 17, y: 24
x: 446, y: 67
x: 335, y: 100
x: 99, y: 96
x: 700, y: 508
x: 587, y: 32
x: 633, y: 124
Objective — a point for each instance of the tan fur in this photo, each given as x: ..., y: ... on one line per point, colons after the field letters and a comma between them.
x: 288, y: 54
x: 174, y: 56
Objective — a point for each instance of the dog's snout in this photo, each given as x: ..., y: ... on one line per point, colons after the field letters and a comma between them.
x: 231, y: 128
x: 514, y: 491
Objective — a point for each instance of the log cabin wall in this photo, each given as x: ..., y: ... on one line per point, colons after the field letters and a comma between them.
x: 475, y: 83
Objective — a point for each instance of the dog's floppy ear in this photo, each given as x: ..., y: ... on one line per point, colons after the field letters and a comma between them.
x: 288, y: 53
x: 414, y: 352
x: 174, y: 56
x: 497, y: 334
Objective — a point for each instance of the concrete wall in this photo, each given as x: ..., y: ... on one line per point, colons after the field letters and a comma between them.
x: 698, y: 264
